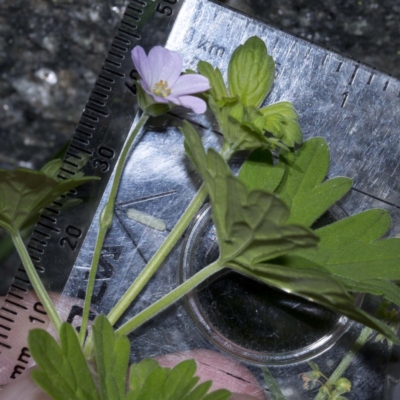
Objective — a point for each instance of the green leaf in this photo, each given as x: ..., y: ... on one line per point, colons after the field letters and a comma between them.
x: 63, y: 372
x: 273, y: 387
x: 250, y: 76
x: 180, y: 381
x: 152, y: 385
x: 149, y: 381
x: 252, y: 229
x: 24, y: 193
x: 237, y: 136
x: 258, y: 172
x: 380, y: 287
x: 112, y: 357
x: 313, y: 366
x: 282, y: 121
x: 250, y: 225
x: 302, y: 187
x: 249, y: 117
x: 214, y: 76
x: 140, y: 372
x: 251, y: 72
x: 351, y: 250
x: 318, y: 286
x: 52, y: 168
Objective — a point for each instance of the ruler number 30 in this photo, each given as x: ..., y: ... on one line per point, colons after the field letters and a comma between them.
x: 165, y: 10
x: 105, y: 154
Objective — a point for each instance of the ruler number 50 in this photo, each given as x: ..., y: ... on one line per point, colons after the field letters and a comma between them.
x: 165, y: 10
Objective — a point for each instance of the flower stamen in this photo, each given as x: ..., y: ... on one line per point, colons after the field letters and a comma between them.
x: 161, y: 89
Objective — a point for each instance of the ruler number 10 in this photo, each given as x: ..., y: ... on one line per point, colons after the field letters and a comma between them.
x: 165, y: 10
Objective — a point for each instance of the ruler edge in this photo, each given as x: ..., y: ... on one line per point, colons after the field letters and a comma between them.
x: 310, y: 41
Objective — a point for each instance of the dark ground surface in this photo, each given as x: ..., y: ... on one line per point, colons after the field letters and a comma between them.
x: 51, y: 52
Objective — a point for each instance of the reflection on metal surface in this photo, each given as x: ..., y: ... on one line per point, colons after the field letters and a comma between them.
x: 146, y: 219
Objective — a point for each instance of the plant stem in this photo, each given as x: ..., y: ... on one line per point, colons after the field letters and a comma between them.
x: 90, y: 285
x: 36, y: 282
x: 169, y: 298
x: 365, y: 334
x: 105, y: 221
x: 154, y: 263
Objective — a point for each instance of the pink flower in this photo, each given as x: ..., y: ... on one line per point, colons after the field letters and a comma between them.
x: 160, y: 74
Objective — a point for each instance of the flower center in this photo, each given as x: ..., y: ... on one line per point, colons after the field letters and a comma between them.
x: 161, y: 89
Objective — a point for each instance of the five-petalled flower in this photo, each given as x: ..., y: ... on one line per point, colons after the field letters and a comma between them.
x: 161, y: 78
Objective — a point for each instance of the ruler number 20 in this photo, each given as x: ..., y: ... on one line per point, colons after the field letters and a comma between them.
x: 165, y: 10
x: 71, y: 241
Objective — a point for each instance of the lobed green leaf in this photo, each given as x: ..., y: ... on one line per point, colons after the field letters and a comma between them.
x: 112, y: 358
x: 319, y: 286
x: 303, y: 188
x: 251, y: 226
x: 149, y: 381
x: 254, y: 235
x: 63, y: 372
x: 258, y: 172
x: 243, y: 125
x: 218, y: 90
x: 24, y: 193
x: 251, y: 72
x: 351, y: 249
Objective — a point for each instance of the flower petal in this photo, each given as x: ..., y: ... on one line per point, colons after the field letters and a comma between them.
x: 197, y: 105
x: 142, y: 64
x: 166, y: 65
x: 190, y: 83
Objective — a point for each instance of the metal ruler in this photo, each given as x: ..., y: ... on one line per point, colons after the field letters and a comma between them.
x: 355, y: 107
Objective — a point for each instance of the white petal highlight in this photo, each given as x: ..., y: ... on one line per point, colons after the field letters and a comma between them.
x: 166, y: 64
x: 141, y: 62
x: 190, y: 83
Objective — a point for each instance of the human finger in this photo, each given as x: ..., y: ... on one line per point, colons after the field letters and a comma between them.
x: 223, y: 371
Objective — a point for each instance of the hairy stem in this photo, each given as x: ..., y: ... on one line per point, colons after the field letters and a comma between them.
x: 105, y: 222
x: 169, y: 298
x: 154, y: 263
x: 365, y: 334
x: 36, y: 282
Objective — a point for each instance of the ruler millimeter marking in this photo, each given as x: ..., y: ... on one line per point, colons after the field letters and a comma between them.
x: 99, y: 137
